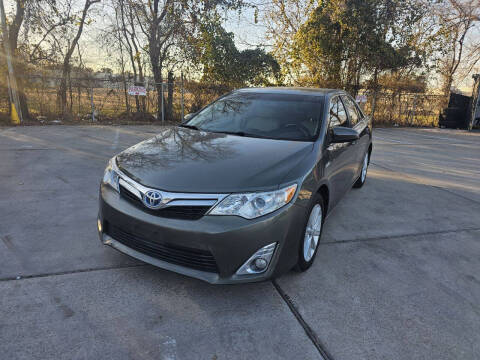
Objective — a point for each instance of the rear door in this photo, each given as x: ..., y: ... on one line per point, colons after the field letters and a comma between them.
x: 339, y: 166
x: 359, y: 123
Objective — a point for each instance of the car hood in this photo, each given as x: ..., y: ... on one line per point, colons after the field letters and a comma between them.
x: 186, y: 160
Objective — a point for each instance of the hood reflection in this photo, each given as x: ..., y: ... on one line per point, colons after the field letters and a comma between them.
x: 187, y: 160
x: 174, y: 145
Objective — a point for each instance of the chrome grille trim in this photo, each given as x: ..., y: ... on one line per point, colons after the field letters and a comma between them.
x: 170, y: 198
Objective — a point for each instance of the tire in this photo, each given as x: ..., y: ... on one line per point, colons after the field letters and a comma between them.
x: 316, y: 217
x: 363, y: 174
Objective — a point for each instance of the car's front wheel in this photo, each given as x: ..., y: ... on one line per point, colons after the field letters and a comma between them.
x: 311, y: 234
x: 363, y: 175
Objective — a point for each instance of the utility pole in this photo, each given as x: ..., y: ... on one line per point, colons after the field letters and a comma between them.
x: 16, y: 111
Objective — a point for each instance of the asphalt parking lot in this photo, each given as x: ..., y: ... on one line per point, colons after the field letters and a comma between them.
x: 397, y: 275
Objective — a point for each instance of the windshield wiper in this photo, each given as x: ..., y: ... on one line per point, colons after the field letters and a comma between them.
x: 241, y: 133
x: 189, y: 126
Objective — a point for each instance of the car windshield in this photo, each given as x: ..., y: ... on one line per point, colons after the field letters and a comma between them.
x: 274, y: 116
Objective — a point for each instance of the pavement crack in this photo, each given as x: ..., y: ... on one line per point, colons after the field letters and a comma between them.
x: 308, y: 330
x: 454, y: 193
x: 383, y: 167
x: 35, y: 276
x: 392, y: 237
x: 7, y: 240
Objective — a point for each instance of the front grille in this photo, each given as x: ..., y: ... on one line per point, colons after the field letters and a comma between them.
x: 179, y: 255
x: 129, y: 196
x: 173, y: 212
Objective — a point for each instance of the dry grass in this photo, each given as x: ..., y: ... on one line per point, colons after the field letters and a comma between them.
x: 111, y: 108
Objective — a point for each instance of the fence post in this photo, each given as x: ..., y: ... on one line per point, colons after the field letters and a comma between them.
x: 163, y: 107
x: 183, y: 106
x: 414, y: 109
x: 146, y: 84
x: 93, y: 105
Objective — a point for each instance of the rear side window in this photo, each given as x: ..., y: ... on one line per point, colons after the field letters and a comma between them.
x: 338, y: 116
x: 354, y: 113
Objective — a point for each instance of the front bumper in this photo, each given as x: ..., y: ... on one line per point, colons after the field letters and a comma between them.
x: 231, y: 240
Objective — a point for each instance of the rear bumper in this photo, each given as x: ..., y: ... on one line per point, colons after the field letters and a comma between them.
x: 231, y: 240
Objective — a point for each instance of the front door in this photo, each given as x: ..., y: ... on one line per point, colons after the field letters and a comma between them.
x: 358, y: 122
x: 340, y: 165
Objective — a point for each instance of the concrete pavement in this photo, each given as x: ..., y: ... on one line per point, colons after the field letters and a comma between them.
x: 396, y: 276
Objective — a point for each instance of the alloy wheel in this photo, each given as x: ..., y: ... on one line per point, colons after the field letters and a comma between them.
x: 365, y: 167
x: 312, y: 233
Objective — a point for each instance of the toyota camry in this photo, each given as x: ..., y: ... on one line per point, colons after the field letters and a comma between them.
x: 240, y: 190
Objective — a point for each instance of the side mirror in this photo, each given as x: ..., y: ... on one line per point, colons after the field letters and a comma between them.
x: 342, y: 134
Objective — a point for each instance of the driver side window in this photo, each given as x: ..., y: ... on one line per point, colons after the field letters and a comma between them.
x: 337, y: 113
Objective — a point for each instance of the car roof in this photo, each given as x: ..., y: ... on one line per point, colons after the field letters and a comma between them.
x: 291, y: 91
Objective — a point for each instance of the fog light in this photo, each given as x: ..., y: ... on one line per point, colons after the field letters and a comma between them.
x: 99, y: 225
x: 259, y: 261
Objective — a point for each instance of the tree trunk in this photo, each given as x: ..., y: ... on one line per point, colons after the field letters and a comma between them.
x: 122, y: 59
x: 141, y: 78
x: 375, y: 95
x: 130, y: 51
x: 141, y: 82
x: 170, y: 96
x: 125, y: 92
x: 70, y: 90
x: 157, y: 76
x: 22, y: 97
x: 137, y: 102
x: 79, y: 94
x: 12, y: 36
x: 447, y: 90
x: 62, y: 90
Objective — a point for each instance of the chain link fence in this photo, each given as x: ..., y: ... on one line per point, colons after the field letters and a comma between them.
x: 106, y: 100
x: 405, y: 109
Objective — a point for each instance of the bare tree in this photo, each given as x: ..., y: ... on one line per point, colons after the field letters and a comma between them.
x: 128, y: 28
x: 457, y: 19
x: 159, y: 22
x: 62, y: 90
x: 118, y: 34
x: 164, y: 23
x: 283, y: 19
x: 12, y: 35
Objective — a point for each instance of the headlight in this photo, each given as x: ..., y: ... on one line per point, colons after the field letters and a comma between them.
x: 252, y: 205
x: 110, y: 177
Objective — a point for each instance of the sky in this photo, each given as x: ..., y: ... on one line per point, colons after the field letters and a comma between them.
x: 247, y: 34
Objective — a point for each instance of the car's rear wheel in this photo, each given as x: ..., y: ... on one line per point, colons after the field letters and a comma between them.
x: 311, y: 235
x: 363, y: 175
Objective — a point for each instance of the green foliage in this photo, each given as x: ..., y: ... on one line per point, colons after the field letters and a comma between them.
x: 257, y: 67
x: 223, y: 63
x: 319, y: 47
x: 345, y: 40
